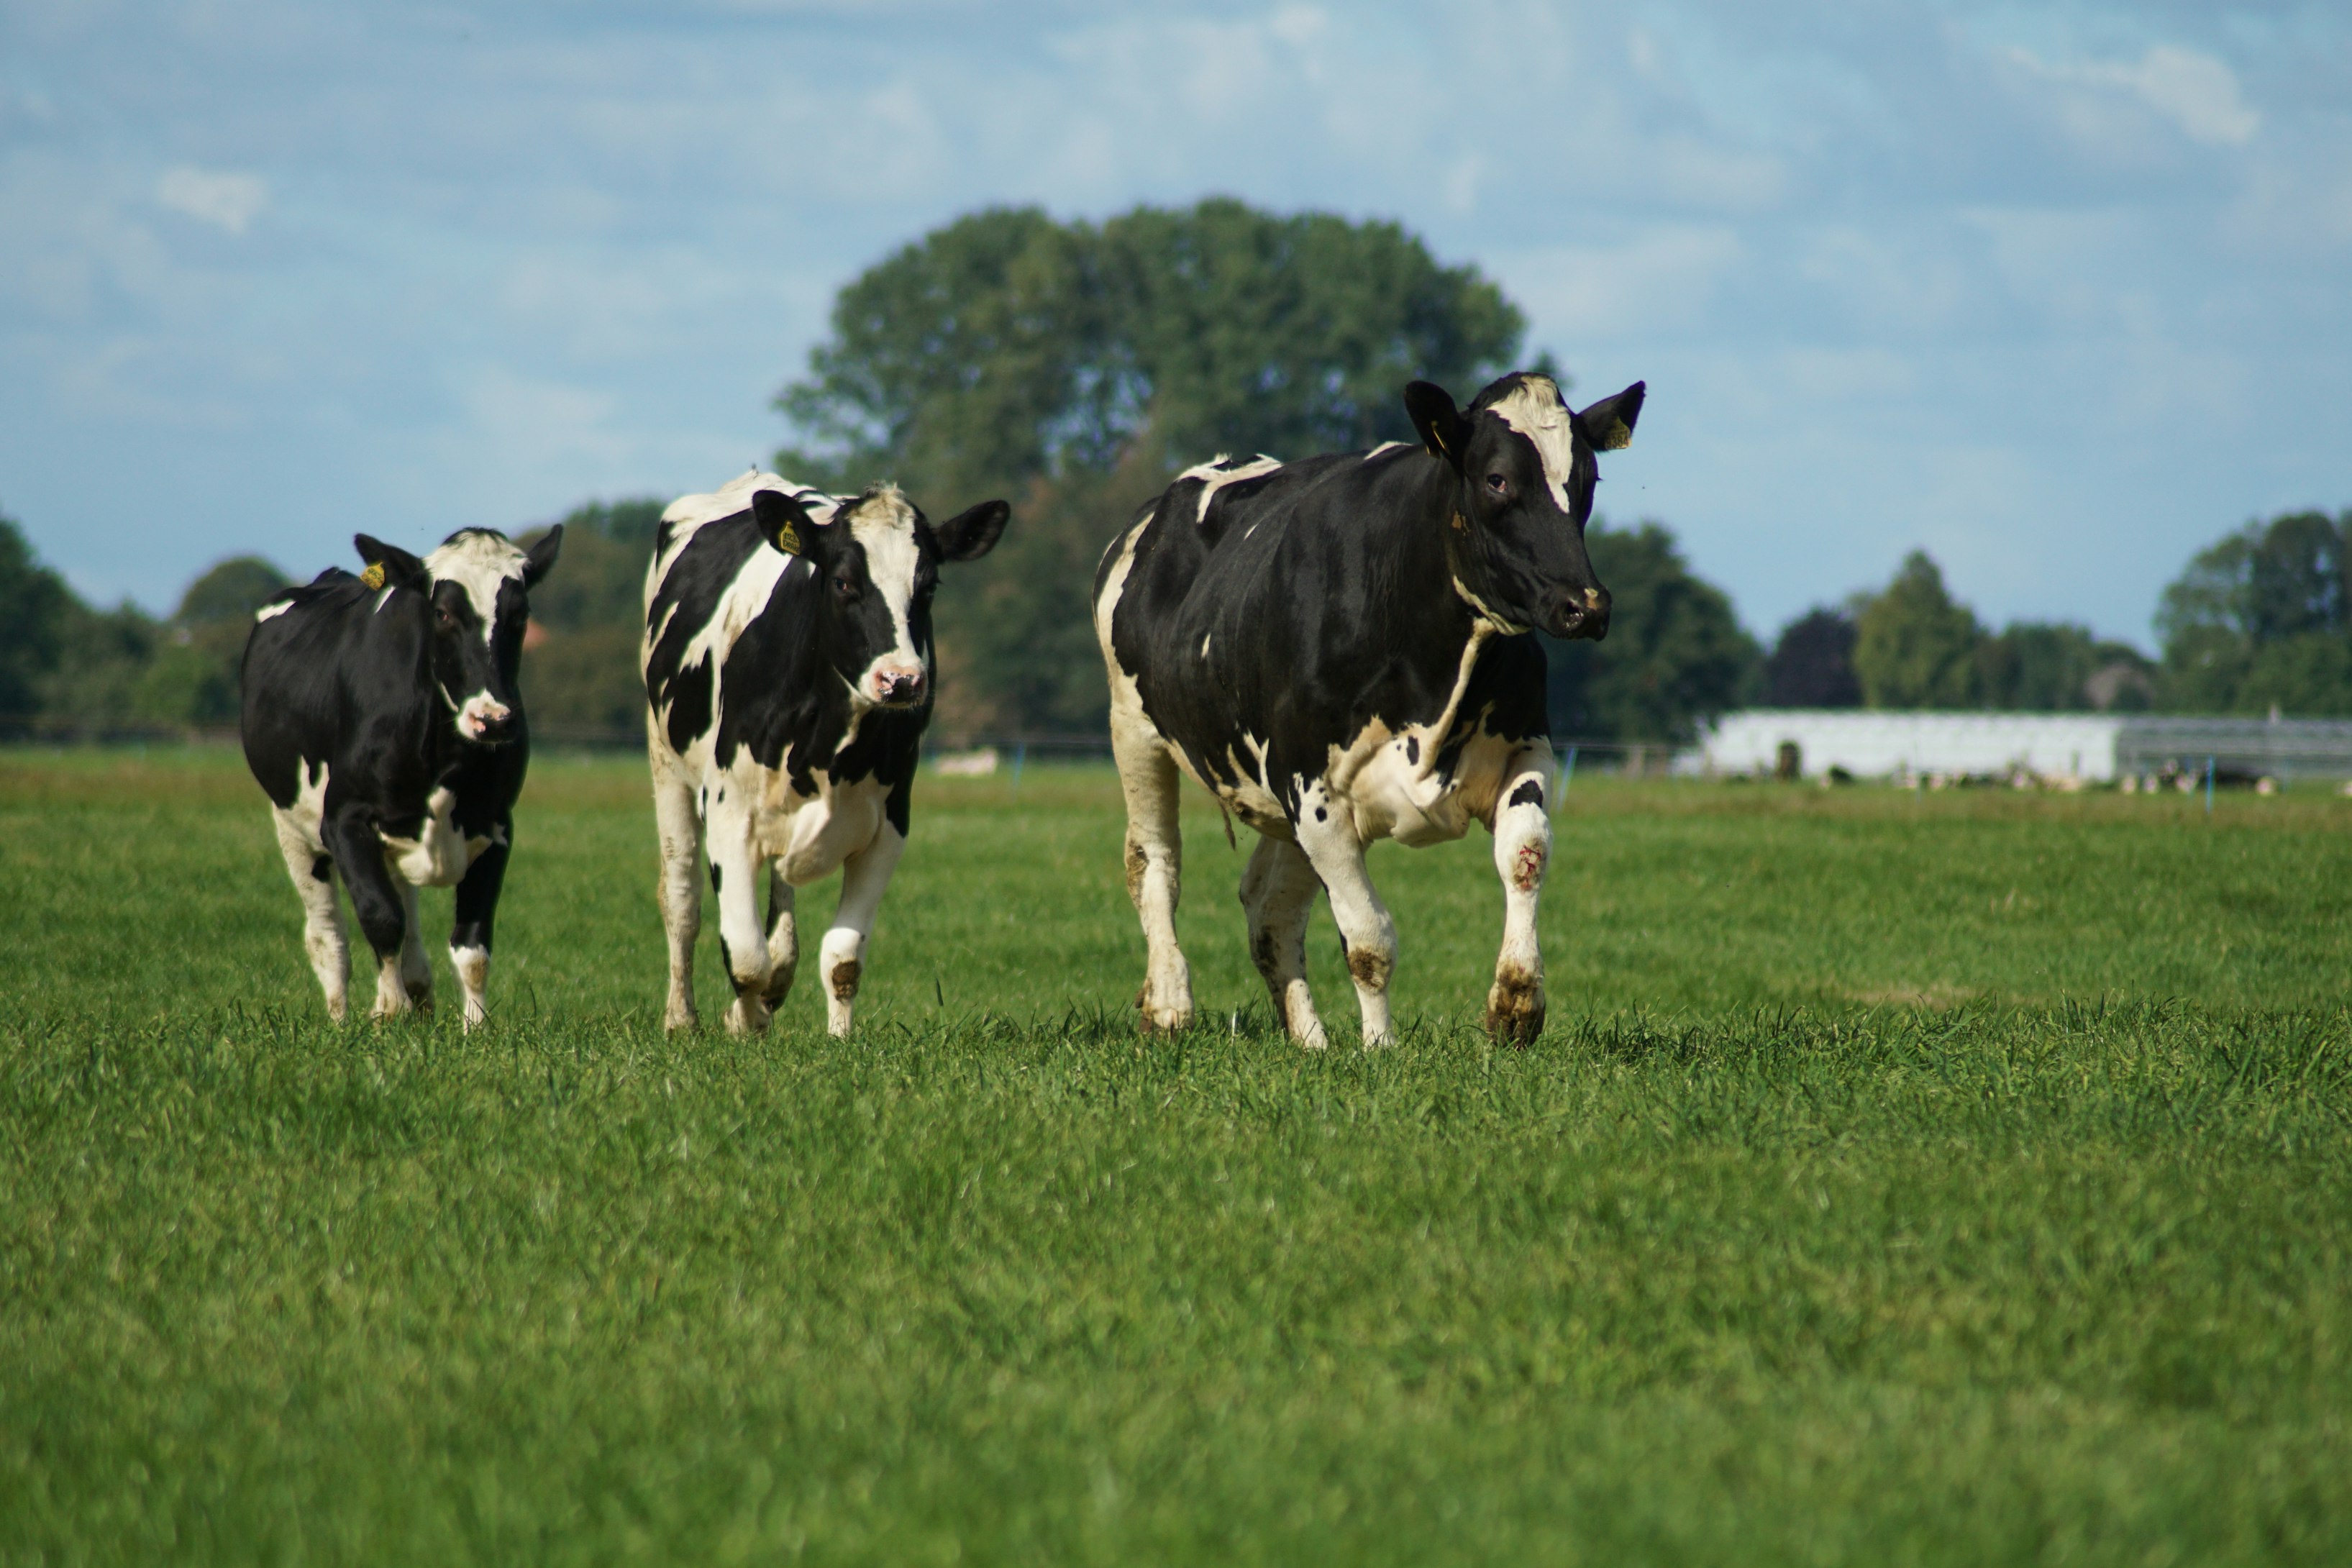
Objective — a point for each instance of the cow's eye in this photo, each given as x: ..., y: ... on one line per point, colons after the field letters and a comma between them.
x: 844, y: 588
x: 1497, y: 483
x: 449, y: 620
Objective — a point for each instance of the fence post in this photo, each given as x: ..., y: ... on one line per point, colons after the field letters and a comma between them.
x: 2208, y: 786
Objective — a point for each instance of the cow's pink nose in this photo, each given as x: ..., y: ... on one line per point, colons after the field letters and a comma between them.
x: 898, y: 686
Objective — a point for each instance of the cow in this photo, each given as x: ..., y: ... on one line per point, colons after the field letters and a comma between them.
x: 1338, y: 650
x: 787, y: 662
x: 382, y: 719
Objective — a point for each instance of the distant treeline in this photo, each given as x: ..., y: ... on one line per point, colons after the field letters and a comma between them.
x: 1074, y: 368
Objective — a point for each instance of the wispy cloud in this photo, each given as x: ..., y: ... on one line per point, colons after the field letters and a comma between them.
x: 228, y: 201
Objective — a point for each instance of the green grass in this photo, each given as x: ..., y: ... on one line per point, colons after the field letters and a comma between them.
x: 1959, y: 1178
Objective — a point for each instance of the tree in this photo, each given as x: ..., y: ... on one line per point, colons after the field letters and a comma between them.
x: 1675, y: 656
x: 229, y: 591
x: 580, y: 655
x: 1913, y: 647
x: 191, y: 665
x: 2041, y: 666
x: 2261, y: 618
x: 34, y: 605
x: 1812, y: 664
x: 1073, y: 369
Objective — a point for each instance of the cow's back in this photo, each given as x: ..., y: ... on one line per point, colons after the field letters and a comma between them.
x: 306, y: 682
x: 1296, y: 610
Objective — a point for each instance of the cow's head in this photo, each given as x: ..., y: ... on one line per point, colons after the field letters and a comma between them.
x: 1523, y: 476
x: 876, y: 560
x: 476, y: 586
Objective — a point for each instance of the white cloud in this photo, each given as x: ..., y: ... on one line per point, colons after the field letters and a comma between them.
x: 2197, y: 93
x: 228, y: 201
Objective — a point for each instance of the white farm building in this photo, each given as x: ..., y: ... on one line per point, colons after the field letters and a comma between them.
x: 2096, y: 748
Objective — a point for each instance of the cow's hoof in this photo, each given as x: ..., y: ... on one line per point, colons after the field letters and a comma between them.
x: 1514, y: 1007
x: 679, y: 1019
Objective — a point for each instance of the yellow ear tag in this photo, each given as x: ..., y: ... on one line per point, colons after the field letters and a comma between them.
x: 788, y: 540
x: 374, y: 576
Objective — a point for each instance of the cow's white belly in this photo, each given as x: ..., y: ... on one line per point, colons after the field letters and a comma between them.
x: 809, y: 837
x: 1393, y: 798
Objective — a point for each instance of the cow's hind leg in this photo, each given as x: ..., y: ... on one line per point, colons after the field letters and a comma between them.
x: 1328, y: 837
x: 841, y: 957
x: 1155, y: 863
x: 680, y: 886
x: 783, y: 938
x: 313, y: 871
x: 1278, y: 892
x: 1515, y: 1006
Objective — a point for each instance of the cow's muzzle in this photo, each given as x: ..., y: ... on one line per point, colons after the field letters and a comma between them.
x: 895, y: 686
x: 1582, y: 613
x: 485, y: 721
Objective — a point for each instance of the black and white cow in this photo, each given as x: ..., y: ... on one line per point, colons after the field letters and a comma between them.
x: 381, y: 719
x: 1336, y: 650
x: 787, y: 660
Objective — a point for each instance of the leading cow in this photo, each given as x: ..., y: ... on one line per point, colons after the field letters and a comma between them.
x: 787, y: 658
x: 381, y: 719
x: 1336, y: 650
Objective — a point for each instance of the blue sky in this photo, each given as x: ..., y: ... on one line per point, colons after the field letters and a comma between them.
x: 2059, y: 293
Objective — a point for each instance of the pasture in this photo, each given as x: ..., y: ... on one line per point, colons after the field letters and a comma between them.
x: 1952, y: 1178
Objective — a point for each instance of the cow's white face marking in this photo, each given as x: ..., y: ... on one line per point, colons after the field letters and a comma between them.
x: 479, y: 563
x: 884, y: 524
x: 1534, y: 409
x: 1215, y: 477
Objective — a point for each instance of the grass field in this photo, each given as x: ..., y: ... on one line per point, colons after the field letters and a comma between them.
x: 1956, y: 1178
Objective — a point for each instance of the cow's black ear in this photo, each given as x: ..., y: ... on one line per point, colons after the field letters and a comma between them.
x: 390, y: 566
x: 1609, y: 423
x: 783, y: 519
x: 1443, y: 430
x: 541, y: 556
x: 972, y: 533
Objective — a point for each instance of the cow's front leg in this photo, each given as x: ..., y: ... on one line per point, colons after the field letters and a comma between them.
x: 841, y: 958
x: 1278, y: 892
x: 1515, y: 1006
x: 415, y: 968
x: 742, y: 938
x: 477, y: 908
x: 1327, y: 833
x: 376, y: 902
x: 313, y: 871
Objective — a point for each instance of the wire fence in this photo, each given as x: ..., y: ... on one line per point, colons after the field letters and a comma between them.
x: 967, y: 753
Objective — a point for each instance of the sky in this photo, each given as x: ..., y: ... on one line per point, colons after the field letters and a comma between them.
x: 2058, y: 294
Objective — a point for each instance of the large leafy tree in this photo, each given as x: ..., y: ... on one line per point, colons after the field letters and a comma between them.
x: 1072, y: 368
x: 2262, y: 618
x: 1675, y: 656
x: 1915, y: 647
x: 1812, y: 663
x: 34, y: 605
